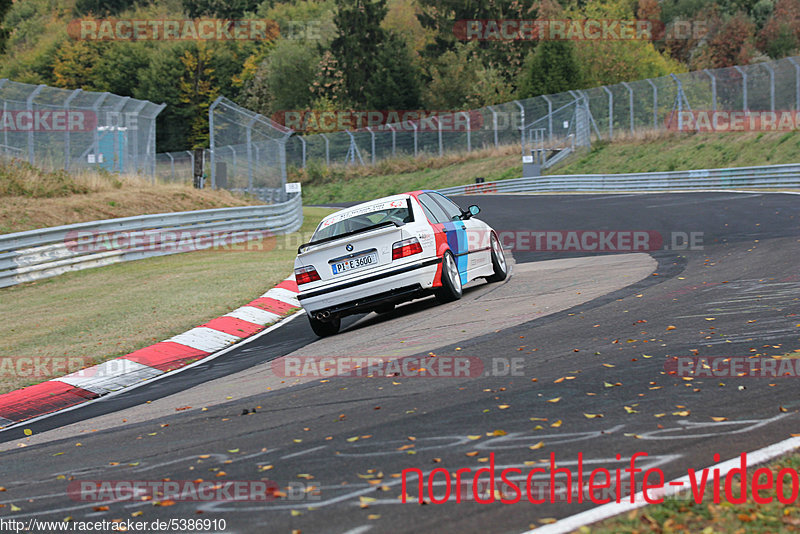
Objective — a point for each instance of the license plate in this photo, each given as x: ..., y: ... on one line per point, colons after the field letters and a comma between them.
x: 358, y: 262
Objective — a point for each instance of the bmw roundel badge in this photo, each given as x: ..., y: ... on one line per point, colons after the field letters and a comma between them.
x: 349, y: 247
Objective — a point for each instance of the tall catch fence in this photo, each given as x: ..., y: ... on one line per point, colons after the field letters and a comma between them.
x: 252, y: 152
x: 74, y: 129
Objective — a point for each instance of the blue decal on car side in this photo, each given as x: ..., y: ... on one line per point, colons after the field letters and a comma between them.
x: 456, y: 234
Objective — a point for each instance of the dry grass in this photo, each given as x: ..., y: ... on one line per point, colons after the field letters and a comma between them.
x: 33, y: 198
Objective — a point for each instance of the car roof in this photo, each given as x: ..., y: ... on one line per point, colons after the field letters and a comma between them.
x: 401, y: 196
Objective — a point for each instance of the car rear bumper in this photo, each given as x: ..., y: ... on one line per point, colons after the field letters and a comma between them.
x: 362, y: 295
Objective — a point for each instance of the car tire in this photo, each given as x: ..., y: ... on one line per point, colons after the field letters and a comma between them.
x: 451, y: 280
x: 498, y: 261
x: 325, y: 328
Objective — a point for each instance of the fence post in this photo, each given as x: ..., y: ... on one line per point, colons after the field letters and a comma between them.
x: 610, y: 112
x: 469, y: 128
x: 249, y: 137
x: 231, y: 176
x: 439, y: 128
x: 744, y: 87
x: 393, y: 139
x: 211, y: 142
x: 796, y: 83
x: 138, y: 110
x: 327, y: 150
x: 303, y: 142
x: 74, y: 93
x: 171, y: 166
x: 29, y: 107
x: 549, y: 118
x: 118, y: 150
x: 415, y: 137
x: 3, y: 81
x: 771, y: 86
x: 655, y: 103
x: 713, y: 89
x: 151, y: 142
x: 521, y: 125
x: 630, y: 103
x: 372, y: 143
x: 494, y: 125
x: 191, y: 160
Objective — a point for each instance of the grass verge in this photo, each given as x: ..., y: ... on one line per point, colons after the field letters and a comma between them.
x: 31, y: 198
x: 681, y: 515
x: 98, y: 314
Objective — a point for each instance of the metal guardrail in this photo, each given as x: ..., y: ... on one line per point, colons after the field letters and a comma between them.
x: 768, y: 176
x: 37, y: 254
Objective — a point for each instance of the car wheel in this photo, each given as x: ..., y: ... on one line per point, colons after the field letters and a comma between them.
x: 325, y: 328
x: 498, y: 262
x: 451, y: 280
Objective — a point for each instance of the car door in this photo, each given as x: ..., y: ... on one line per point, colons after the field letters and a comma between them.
x: 453, y: 230
x: 475, y: 232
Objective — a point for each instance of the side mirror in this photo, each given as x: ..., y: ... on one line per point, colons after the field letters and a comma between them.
x: 471, y: 211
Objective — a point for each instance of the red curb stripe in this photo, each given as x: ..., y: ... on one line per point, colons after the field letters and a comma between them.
x: 41, y: 399
x: 291, y: 285
x: 233, y: 326
x: 166, y: 355
x: 272, y: 305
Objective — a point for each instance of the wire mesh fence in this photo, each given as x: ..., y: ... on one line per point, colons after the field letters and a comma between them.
x: 251, y: 152
x: 74, y: 129
x: 247, y: 151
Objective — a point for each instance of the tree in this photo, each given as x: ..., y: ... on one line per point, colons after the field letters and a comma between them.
x: 552, y: 68
x: 226, y: 9
x: 358, y: 39
x: 101, y: 7
x: 157, y: 84
x: 282, y: 81
x: 198, y: 90
x: 459, y: 80
x: 394, y: 82
x: 731, y: 45
x: 5, y: 6
x: 780, y: 35
x: 75, y: 63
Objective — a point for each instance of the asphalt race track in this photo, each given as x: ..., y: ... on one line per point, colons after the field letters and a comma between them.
x: 596, y: 331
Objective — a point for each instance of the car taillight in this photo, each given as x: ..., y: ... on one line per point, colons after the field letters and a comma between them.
x: 304, y: 275
x: 407, y: 247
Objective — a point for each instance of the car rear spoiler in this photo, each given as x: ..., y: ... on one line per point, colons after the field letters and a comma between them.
x: 302, y: 247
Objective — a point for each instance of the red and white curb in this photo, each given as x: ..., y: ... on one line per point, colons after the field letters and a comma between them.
x: 147, y: 363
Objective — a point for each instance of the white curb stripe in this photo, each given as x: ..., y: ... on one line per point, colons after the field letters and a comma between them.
x: 571, y: 523
x: 110, y: 376
x: 205, y: 339
x: 284, y: 295
x: 255, y: 315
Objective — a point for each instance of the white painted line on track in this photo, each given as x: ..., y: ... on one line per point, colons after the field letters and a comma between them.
x: 574, y: 522
x: 301, y: 453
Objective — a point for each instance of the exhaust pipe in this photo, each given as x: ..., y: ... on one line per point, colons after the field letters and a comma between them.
x: 323, y: 315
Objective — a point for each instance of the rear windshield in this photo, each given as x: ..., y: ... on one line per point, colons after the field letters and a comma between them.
x: 356, y: 219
